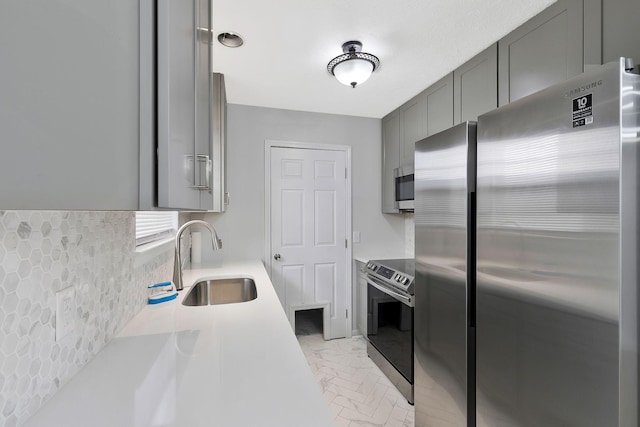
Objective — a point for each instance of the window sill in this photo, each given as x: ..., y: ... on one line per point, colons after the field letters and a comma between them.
x: 148, y: 251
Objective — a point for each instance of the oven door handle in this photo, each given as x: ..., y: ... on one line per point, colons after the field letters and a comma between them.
x: 402, y: 298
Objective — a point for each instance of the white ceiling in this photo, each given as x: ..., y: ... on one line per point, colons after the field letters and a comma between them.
x: 288, y: 44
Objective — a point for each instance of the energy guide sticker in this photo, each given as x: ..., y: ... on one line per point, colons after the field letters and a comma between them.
x: 582, y: 110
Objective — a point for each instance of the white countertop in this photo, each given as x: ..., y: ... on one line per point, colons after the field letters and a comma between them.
x: 173, y: 365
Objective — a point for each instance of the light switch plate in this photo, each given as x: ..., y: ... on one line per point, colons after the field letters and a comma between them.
x: 65, y: 311
x: 356, y: 237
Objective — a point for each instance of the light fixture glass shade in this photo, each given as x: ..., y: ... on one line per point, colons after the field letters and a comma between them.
x: 353, y: 67
x: 353, y: 71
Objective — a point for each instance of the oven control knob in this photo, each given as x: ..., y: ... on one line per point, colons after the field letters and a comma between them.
x: 405, y: 280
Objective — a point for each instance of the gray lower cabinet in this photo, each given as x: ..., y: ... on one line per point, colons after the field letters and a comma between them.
x: 547, y: 49
x: 390, y: 159
x: 475, y: 86
x: 69, y: 91
x: 361, y: 306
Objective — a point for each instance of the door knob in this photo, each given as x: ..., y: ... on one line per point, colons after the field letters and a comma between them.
x: 276, y: 257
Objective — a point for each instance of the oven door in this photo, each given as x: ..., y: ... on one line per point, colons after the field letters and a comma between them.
x: 390, y: 325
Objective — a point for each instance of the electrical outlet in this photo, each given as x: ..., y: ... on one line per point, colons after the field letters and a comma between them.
x: 65, y: 311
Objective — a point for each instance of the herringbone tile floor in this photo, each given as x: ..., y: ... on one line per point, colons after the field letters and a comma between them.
x: 358, y: 393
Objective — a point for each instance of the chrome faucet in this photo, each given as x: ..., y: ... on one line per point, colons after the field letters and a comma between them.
x: 177, y: 267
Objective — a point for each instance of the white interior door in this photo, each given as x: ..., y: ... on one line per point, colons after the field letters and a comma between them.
x: 308, y: 232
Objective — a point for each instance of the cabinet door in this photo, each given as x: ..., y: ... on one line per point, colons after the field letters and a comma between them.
x: 218, y: 190
x: 203, y: 104
x: 475, y: 86
x: 620, y: 34
x: 547, y: 49
x: 438, y: 101
x: 431, y: 111
x: 183, y: 103
x: 69, y: 88
x: 390, y: 160
x: 411, y: 130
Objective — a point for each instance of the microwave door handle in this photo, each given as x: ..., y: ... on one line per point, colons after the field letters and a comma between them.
x: 406, y: 300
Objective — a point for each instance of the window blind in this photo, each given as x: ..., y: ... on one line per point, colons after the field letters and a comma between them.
x: 155, y: 225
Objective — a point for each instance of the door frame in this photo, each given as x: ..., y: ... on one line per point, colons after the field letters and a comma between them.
x: 268, y: 145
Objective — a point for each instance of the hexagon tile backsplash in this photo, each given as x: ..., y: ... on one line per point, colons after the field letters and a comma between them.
x: 42, y: 252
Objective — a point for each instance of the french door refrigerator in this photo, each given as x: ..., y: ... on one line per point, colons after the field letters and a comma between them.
x: 556, y: 286
x: 444, y: 252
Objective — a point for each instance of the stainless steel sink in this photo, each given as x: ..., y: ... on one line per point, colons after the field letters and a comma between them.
x: 221, y: 291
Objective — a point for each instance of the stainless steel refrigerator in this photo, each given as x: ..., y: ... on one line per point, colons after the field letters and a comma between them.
x: 555, y: 320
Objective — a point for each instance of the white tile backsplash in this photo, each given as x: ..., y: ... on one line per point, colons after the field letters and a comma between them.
x: 42, y: 252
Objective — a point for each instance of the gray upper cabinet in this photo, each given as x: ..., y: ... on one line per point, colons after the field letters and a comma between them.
x: 431, y: 111
x: 218, y: 189
x: 620, y: 32
x: 411, y: 130
x: 184, y: 104
x: 475, y: 86
x: 438, y: 100
x: 69, y: 119
x: 547, y: 49
x: 390, y: 159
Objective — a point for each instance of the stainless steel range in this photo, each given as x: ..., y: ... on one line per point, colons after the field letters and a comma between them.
x: 390, y: 285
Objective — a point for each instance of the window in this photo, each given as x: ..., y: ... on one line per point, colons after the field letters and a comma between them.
x: 156, y: 225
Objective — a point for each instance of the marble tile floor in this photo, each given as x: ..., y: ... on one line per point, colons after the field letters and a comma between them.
x: 357, y: 392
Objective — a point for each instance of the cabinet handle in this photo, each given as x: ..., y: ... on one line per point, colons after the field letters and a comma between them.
x: 208, y: 178
x: 276, y: 257
x: 202, y: 158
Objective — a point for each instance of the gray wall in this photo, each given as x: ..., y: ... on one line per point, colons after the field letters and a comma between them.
x: 242, y: 226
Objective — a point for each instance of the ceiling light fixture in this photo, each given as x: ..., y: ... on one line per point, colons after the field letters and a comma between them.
x: 230, y: 39
x: 353, y: 67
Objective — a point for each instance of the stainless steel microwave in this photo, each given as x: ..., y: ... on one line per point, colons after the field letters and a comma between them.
x: 404, y: 188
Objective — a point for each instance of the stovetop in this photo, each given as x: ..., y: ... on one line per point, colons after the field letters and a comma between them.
x: 396, y: 273
x: 406, y: 266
